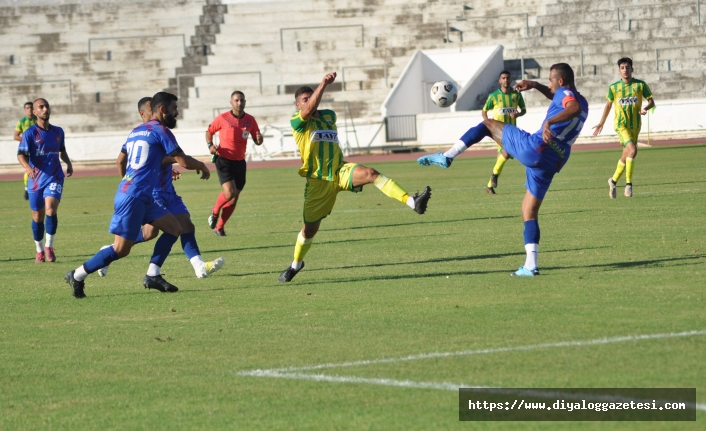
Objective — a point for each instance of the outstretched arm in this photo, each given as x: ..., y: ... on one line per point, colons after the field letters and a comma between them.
x: 525, y: 85
x: 313, y: 103
x: 599, y: 127
x: 192, y: 164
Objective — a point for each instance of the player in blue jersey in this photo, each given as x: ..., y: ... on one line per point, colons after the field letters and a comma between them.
x: 165, y: 195
x: 146, y: 146
x: 543, y: 153
x: 39, y: 152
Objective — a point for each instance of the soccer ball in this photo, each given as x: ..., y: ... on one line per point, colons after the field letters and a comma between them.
x: 443, y: 94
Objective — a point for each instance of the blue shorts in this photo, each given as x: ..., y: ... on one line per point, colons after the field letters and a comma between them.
x: 540, y: 160
x: 171, y: 201
x: 131, y: 213
x: 37, y: 196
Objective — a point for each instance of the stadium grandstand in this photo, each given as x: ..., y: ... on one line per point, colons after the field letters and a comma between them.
x: 94, y: 59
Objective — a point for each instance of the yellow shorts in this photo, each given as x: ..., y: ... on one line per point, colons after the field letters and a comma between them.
x: 320, y: 195
x: 627, y: 135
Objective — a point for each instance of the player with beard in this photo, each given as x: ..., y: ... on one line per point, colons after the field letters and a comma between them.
x: 39, y: 151
x: 146, y: 146
x: 165, y: 195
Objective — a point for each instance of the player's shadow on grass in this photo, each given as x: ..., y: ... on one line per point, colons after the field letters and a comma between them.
x: 14, y: 259
x: 422, y: 222
x: 290, y: 245
x: 615, y: 266
x: 427, y: 261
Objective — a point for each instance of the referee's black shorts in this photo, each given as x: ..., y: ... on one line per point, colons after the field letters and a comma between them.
x: 231, y: 170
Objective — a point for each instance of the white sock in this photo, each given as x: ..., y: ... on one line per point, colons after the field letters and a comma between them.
x: 153, y: 270
x: 457, y: 149
x: 80, y: 274
x: 50, y: 240
x: 297, y: 265
x: 197, y: 262
x: 532, y: 252
x: 410, y: 202
x: 40, y: 245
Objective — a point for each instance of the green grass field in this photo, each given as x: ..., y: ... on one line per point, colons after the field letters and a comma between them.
x: 380, y: 282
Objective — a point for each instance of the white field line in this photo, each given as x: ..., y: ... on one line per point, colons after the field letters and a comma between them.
x: 444, y: 386
x: 296, y: 374
x: 434, y: 355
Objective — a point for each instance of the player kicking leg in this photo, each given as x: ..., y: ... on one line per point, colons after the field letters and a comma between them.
x: 325, y: 171
x: 320, y: 197
x: 543, y: 153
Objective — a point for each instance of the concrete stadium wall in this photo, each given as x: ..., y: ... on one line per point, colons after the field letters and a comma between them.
x: 432, y: 129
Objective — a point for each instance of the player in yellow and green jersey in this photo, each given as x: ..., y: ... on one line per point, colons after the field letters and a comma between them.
x: 626, y: 95
x: 327, y: 173
x: 25, y: 123
x: 506, y: 104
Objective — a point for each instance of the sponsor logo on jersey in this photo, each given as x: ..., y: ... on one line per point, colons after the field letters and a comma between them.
x: 507, y: 111
x: 324, y: 136
x: 140, y: 133
x: 624, y: 101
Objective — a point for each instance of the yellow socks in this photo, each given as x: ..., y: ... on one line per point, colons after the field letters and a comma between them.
x: 498, y: 168
x: 390, y: 188
x: 629, y: 164
x: 302, y: 246
x: 619, y: 171
x: 26, y: 180
x: 499, y: 164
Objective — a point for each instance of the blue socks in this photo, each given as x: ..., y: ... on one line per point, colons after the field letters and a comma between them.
x: 188, y: 243
x: 52, y: 223
x: 38, y: 230
x: 475, y: 134
x: 162, y: 248
x: 101, y: 259
x: 531, y: 232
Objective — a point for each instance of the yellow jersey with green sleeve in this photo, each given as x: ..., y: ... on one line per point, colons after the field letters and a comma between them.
x: 504, y: 104
x: 317, y: 140
x: 627, y: 101
x: 24, y: 124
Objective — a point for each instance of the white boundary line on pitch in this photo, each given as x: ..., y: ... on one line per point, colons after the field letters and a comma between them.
x: 435, y: 355
x: 294, y: 372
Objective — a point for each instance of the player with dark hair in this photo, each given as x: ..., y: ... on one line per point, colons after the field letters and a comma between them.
x: 165, y: 195
x: 233, y: 128
x: 504, y: 102
x: 39, y: 152
x: 543, y: 153
x: 146, y: 146
x: 327, y: 173
x: 626, y: 95
x: 25, y: 123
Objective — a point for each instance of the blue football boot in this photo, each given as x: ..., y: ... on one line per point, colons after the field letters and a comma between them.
x: 437, y: 159
x: 524, y: 272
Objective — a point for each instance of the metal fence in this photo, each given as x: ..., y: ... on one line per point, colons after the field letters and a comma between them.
x: 401, y: 128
